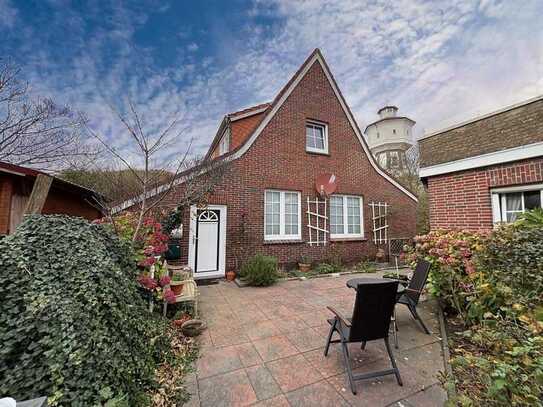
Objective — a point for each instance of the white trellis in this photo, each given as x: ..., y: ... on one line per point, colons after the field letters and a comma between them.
x: 379, y: 211
x: 317, y: 221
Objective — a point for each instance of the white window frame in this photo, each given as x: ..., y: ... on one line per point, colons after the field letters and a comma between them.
x: 345, y: 233
x: 324, y: 126
x: 498, y: 200
x: 224, y: 144
x: 282, y: 235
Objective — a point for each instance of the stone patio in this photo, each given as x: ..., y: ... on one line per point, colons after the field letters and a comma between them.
x: 264, y: 347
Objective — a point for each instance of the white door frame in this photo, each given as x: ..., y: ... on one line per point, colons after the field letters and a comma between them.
x: 222, y: 242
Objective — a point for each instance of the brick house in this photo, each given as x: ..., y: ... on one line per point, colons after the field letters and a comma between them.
x: 64, y: 197
x: 276, y: 151
x: 485, y: 170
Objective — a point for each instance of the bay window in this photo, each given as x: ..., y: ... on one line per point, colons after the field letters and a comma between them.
x: 282, y: 217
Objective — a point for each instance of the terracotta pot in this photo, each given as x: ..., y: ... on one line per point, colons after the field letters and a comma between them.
x: 304, y: 268
x: 230, y: 275
x: 177, y: 288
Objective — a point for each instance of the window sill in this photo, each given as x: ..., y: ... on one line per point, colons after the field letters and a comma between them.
x: 284, y: 241
x: 348, y: 239
x: 325, y: 153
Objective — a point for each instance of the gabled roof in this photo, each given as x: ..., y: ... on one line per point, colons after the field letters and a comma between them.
x: 315, y: 57
x: 249, y: 111
x: 232, y: 117
x: 20, y: 171
x: 270, y: 111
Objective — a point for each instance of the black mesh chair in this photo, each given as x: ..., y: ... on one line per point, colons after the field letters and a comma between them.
x: 410, y: 297
x: 373, y: 309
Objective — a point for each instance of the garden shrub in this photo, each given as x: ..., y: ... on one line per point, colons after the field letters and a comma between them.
x: 73, y: 325
x: 260, y: 271
x: 452, y: 272
x: 328, y: 268
x: 495, y: 284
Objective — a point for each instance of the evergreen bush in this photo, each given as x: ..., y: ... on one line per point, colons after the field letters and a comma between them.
x: 260, y: 271
x: 73, y: 325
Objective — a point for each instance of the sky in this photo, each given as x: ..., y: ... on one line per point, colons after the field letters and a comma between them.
x: 439, y: 61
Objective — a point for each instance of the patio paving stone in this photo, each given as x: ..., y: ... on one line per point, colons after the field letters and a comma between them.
x: 262, y: 329
x: 293, y: 372
x: 329, y: 366
x: 306, y: 339
x: 290, y: 324
x: 380, y: 391
x: 277, y: 401
x: 263, y: 382
x: 264, y: 347
x: 274, y: 347
x: 430, y: 397
x: 230, y: 389
x: 217, y: 361
x: 319, y: 394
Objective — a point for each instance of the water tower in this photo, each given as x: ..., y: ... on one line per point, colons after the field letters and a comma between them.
x: 389, y: 138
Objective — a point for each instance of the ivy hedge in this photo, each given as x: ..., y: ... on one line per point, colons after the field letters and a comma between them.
x: 73, y: 325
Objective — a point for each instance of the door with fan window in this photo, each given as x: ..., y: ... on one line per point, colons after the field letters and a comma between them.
x: 207, y: 241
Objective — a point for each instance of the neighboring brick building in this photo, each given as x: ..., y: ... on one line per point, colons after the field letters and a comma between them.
x: 486, y: 170
x: 276, y: 152
x: 16, y: 184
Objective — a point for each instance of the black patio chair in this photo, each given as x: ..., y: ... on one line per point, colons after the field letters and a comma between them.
x: 410, y: 297
x: 370, y: 321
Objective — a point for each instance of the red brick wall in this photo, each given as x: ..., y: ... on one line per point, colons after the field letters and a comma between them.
x: 462, y: 200
x: 278, y: 160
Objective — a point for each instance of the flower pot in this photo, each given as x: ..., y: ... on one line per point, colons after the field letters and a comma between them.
x: 194, y: 327
x: 304, y: 267
x: 177, y: 287
x: 230, y: 275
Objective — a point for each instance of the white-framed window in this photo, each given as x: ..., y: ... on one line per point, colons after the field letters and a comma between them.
x: 224, y: 144
x: 282, y: 215
x: 508, y: 203
x: 316, y: 137
x: 346, y: 216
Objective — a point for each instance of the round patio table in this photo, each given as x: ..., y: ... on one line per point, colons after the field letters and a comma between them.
x: 354, y: 282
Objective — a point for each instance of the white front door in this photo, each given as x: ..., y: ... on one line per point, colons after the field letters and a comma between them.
x: 207, y: 241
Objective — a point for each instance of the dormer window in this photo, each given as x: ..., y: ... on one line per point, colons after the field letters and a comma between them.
x: 224, y: 144
x: 316, y: 137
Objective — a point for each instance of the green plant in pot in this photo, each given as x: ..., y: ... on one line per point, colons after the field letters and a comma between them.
x: 177, y: 282
x: 304, y: 264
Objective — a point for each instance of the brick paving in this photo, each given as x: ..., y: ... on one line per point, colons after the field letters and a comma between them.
x: 264, y: 347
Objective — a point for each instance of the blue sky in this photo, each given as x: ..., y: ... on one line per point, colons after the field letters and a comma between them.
x: 440, y: 61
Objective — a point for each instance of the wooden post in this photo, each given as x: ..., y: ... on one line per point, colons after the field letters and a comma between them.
x: 39, y: 194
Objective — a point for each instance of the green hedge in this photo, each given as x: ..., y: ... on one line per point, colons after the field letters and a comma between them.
x: 73, y: 325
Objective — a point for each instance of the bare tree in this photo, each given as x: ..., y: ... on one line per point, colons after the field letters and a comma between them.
x: 34, y: 132
x: 154, y: 179
x: 409, y: 177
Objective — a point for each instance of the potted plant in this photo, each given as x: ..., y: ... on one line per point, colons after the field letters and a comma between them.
x: 230, y: 275
x: 304, y: 264
x: 177, y: 282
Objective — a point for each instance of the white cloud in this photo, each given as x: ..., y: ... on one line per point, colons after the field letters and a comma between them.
x: 439, y: 61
